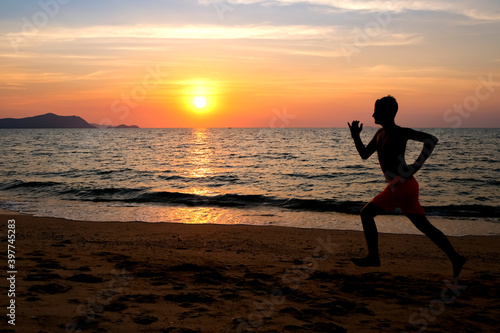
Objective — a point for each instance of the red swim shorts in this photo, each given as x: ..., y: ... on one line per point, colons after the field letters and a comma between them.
x: 400, y: 193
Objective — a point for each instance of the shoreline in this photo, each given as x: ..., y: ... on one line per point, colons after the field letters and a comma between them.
x: 265, y: 216
x: 171, y: 277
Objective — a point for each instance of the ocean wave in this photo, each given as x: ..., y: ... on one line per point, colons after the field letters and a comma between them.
x: 353, y: 166
x: 257, y: 200
x: 215, y: 179
x: 19, y: 184
x: 104, y: 194
x: 463, y: 210
x: 107, y: 172
x: 239, y: 201
x: 146, y: 196
x: 327, y: 176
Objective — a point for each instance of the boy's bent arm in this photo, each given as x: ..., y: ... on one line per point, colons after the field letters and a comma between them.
x: 363, y: 151
x: 429, y: 141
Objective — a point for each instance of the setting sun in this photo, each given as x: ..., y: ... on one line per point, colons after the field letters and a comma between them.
x: 200, y: 102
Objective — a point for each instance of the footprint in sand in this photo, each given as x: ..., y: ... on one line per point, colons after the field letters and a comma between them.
x: 86, y: 278
x: 52, y: 288
x: 143, y: 319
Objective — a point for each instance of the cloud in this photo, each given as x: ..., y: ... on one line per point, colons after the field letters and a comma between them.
x: 487, y: 10
x: 185, y: 32
x: 17, y: 78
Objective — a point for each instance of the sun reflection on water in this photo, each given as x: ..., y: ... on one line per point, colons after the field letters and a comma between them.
x: 199, y: 155
x: 199, y: 162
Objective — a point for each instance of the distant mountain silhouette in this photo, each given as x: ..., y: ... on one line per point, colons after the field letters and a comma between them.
x: 48, y: 120
x: 51, y: 120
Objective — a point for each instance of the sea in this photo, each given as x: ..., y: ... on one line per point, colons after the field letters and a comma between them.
x: 295, y: 177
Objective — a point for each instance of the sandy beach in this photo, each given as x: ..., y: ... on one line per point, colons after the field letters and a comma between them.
x: 165, y: 277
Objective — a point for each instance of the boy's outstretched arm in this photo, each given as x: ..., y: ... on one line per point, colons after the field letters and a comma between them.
x: 363, y: 151
x: 429, y: 141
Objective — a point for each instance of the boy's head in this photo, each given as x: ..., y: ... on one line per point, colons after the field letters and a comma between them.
x: 385, y: 109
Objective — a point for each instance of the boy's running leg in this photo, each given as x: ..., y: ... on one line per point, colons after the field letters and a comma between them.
x: 440, y: 239
x: 371, y: 235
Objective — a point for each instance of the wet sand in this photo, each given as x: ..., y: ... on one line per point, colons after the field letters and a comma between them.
x: 167, y: 277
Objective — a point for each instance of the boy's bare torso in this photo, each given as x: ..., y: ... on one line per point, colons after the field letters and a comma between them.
x: 391, y: 147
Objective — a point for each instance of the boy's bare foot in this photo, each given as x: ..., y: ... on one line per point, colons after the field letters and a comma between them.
x: 457, y: 266
x: 366, y: 262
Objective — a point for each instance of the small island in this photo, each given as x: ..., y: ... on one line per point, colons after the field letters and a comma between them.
x: 51, y: 120
x: 109, y: 126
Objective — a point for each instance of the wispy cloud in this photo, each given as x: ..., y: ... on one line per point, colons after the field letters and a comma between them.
x: 478, y: 10
x: 17, y: 79
x: 387, y: 39
x: 185, y: 32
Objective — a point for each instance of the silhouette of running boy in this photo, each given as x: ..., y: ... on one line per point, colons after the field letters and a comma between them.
x: 402, y: 191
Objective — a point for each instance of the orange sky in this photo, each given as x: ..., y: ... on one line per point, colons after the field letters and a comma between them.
x: 257, y: 65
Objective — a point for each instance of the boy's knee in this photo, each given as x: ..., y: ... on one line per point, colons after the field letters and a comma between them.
x: 369, y: 211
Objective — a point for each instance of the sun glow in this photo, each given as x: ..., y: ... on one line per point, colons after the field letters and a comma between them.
x: 200, y: 102
x: 201, y: 97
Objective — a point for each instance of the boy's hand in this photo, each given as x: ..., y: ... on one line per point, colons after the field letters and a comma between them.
x: 355, y: 128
